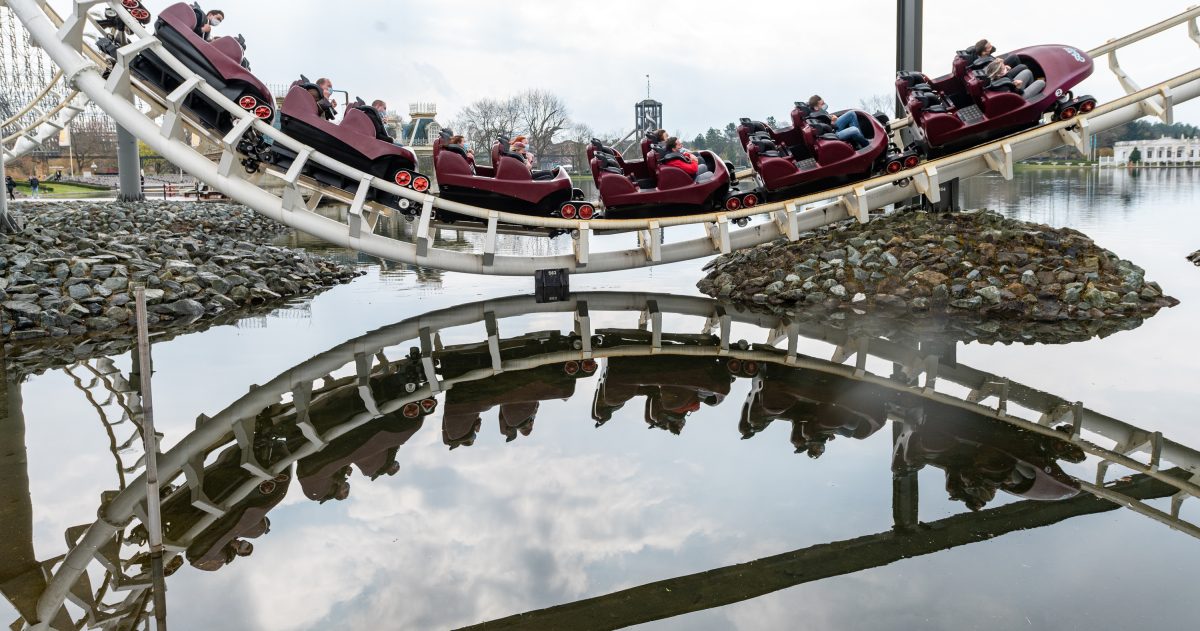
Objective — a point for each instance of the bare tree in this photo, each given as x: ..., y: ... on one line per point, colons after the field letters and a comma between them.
x: 93, y: 139
x: 885, y: 103
x: 542, y: 115
x: 483, y: 120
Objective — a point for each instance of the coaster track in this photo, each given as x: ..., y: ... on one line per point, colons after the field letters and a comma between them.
x: 65, y: 40
x: 918, y: 373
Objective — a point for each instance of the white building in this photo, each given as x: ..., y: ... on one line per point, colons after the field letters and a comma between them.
x: 1160, y: 152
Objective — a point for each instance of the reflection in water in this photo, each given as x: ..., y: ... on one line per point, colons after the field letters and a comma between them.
x: 353, y: 407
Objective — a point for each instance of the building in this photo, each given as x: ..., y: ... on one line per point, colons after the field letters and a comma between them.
x: 1158, y: 152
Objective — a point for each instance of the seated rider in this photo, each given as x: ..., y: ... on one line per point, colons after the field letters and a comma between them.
x: 683, y: 159
x: 459, y: 140
x: 327, y: 104
x: 520, y: 148
x: 985, y: 50
x: 212, y: 20
x: 845, y: 126
x: 376, y: 112
x: 1022, y: 80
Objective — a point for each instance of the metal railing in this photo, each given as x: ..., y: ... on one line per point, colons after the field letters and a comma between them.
x: 300, y: 195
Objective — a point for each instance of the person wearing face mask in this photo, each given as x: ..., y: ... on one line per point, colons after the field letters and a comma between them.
x: 377, y: 111
x: 212, y: 20
x: 327, y: 103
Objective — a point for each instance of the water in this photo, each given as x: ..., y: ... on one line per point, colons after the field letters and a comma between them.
x: 572, y: 511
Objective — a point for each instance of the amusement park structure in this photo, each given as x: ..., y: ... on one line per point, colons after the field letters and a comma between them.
x: 244, y: 171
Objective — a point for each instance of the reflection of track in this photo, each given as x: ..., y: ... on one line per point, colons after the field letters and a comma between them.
x: 296, y: 206
x: 915, y: 372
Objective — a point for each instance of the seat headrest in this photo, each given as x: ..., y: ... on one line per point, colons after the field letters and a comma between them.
x: 764, y: 144
x: 805, y: 110
x: 459, y: 149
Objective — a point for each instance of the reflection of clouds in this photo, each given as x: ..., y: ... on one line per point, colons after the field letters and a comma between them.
x: 450, y: 542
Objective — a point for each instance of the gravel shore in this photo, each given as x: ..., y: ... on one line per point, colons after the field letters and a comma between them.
x: 977, y: 267
x: 71, y: 272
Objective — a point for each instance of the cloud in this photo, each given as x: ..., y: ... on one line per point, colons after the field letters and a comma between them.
x: 708, y: 62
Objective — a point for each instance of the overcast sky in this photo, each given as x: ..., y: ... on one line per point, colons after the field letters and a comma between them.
x: 709, y: 62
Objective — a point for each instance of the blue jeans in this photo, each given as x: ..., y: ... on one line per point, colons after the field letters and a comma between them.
x: 848, y: 131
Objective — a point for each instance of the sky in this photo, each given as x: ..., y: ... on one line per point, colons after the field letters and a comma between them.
x: 710, y: 63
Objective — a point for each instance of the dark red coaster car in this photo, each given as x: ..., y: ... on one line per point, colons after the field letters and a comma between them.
x: 808, y: 156
x: 352, y: 142
x: 654, y: 187
x: 221, y: 63
x: 508, y: 184
x: 965, y: 108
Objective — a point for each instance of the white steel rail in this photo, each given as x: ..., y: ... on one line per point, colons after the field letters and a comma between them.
x: 923, y: 372
x: 789, y: 218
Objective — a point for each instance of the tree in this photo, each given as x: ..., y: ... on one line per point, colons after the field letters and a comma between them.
x: 541, y: 115
x: 1135, y: 156
x: 93, y: 139
x: 880, y: 103
x: 483, y: 120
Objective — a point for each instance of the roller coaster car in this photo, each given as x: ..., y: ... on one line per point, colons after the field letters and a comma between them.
x: 809, y: 156
x: 352, y: 142
x: 674, y: 387
x: 373, y: 447
x: 518, y: 395
x: 980, y: 456
x: 820, y: 407
x: 654, y: 185
x: 221, y: 63
x: 949, y: 117
x: 455, y: 361
x: 507, y: 185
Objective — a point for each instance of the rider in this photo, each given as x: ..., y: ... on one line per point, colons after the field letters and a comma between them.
x: 845, y: 126
x: 212, y: 20
x: 376, y: 112
x: 327, y: 103
x: 1023, y: 79
x: 683, y: 159
x: 985, y: 50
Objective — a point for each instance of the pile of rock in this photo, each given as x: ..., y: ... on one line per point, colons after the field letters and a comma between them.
x: 979, y: 264
x: 72, y: 270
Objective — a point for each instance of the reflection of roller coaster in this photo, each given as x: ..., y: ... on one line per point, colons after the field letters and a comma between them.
x: 311, y: 424
x: 369, y: 196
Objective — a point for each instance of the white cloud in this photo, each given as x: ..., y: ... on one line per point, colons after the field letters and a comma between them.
x: 710, y: 62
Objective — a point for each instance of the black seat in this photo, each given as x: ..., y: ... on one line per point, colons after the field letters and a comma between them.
x: 766, y: 147
x: 459, y: 149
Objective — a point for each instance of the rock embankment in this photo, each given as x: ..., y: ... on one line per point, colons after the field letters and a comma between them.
x: 72, y: 270
x: 976, y: 264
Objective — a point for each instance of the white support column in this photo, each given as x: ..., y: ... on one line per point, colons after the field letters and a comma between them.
x: 355, y: 215
x: 583, y: 244
x: 489, y: 240
x: 493, y: 332
x: 928, y: 184
x: 719, y: 234
x: 654, y: 317
x: 427, y: 360
x: 1001, y: 161
x: 583, y: 327
x: 651, y: 242
x: 787, y: 221
x: 424, y: 240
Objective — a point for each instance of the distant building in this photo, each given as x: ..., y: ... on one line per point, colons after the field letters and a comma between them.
x: 1158, y: 152
x: 422, y: 128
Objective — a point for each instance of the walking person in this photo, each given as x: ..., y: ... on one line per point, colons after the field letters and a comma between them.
x: 11, y: 185
x: 34, y: 182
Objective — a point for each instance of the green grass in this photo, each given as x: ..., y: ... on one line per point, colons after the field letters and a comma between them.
x: 58, y: 189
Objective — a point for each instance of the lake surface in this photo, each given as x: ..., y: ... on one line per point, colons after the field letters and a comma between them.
x: 544, y: 513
